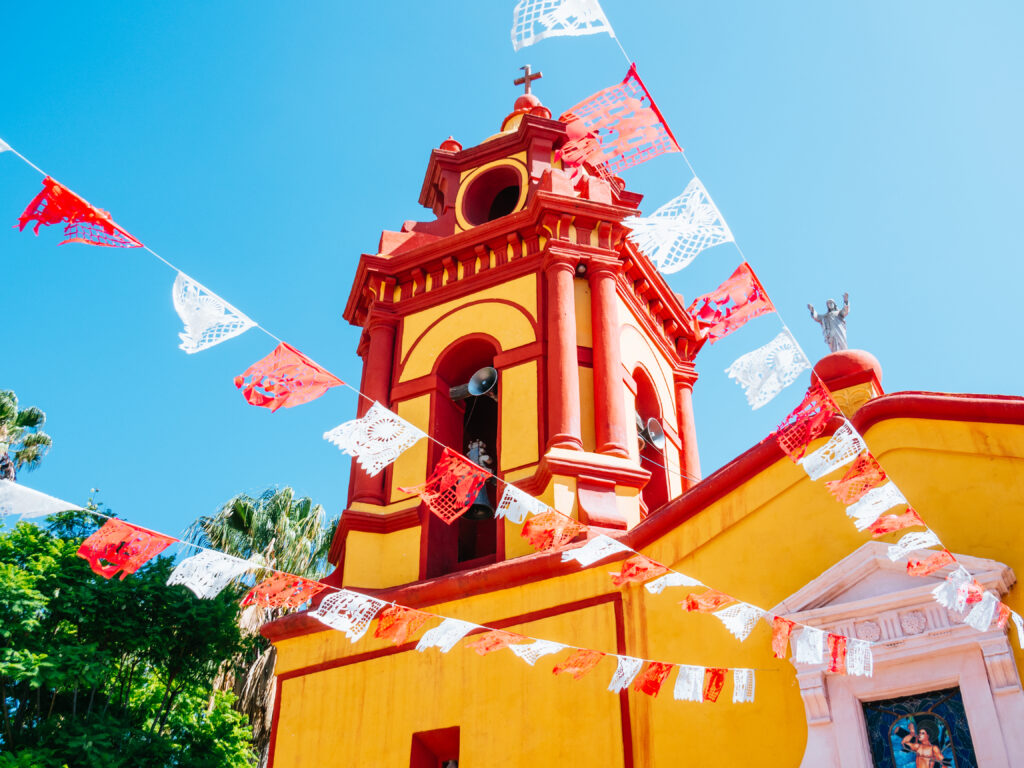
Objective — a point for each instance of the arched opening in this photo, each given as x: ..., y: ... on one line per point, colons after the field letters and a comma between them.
x: 494, y: 193
x: 655, y: 493
x: 467, y: 542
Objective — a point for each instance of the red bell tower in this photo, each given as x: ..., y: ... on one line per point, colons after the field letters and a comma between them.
x: 525, y: 268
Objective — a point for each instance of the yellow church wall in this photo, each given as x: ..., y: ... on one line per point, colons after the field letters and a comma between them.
x: 519, y: 423
x: 410, y: 468
x: 972, y: 494
x: 508, y: 324
x: 560, y: 494
x: 587, y: 415
x: 627, y: 500
x: 584, y: 327
x: 763, y: 541
x: 376, y: 560
x: 511, y: 321
x: 397, y: 695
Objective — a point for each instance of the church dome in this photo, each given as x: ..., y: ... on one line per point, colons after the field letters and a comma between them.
x: 847, y: 362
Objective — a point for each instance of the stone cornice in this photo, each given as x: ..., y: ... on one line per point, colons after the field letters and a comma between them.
x: 552, y: 225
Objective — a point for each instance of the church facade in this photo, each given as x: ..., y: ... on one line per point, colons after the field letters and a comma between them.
x: 526, y: 269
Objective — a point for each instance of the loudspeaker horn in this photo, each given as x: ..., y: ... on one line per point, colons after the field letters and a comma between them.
x: 650, y: 433
x: 483, y: 383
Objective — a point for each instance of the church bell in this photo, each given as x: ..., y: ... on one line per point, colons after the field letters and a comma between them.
x: 481, y: 508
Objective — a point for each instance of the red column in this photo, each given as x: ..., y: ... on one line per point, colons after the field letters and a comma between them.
x: 378, y: 361
x: 563, y: 376
x: 689, y: 460
x: 609, y: 397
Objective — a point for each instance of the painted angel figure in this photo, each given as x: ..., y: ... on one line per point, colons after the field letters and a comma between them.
x: 833, y: 323
x: 927, y: 754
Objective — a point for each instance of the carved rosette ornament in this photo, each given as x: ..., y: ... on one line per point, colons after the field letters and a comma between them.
x: 913, y: 622
x: 869, y: 630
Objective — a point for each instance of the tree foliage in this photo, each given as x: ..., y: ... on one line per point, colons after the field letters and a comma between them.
x: 22, y: 441
x: 284, y: 532
x: 111, y: 673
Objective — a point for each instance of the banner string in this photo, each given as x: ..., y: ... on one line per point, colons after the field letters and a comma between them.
x: 258, y: 566
x: 430, y: 437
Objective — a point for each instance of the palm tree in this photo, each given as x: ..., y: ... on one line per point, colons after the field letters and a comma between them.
x: 22, y: 444
x: 285, y: 533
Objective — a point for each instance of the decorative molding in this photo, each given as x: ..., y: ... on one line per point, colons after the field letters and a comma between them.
x: 918, y: 646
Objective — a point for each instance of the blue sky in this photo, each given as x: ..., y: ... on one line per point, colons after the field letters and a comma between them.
x: 871, y: 147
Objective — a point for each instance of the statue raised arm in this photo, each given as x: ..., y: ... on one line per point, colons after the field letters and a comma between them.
x: 833, y: 322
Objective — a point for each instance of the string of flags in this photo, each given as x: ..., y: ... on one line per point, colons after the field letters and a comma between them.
x: 610, y: 131
x: 121, y: 547
x: 672, y: 237
x: 869, y: 494
x: 286, y: 378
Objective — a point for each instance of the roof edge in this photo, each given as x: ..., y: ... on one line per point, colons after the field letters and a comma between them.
x: 994, y: 409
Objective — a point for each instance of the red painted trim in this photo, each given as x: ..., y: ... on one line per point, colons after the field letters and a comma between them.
x: 518, y: 355
x: 462, y: 246
x: 639, y: 279
x: 424, y: 385
x: 993, y: 409
x: 562, y: 381
x: 275, y: 633
x: 274, y: 720
x: 532, y: 128
x: 298, y: 624
x: 866, y: 376
x: 626, y: 722
x: 585, y: 356
x: 368, y: 522
x: 990, y: 409
x: 532, y: 320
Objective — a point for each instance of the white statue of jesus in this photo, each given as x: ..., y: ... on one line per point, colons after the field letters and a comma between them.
x: 833, y: 323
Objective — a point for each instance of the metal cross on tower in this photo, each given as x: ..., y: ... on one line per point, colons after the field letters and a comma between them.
x: 527, y: 77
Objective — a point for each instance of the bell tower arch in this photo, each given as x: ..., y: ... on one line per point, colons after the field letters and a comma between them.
x: 524, y: 269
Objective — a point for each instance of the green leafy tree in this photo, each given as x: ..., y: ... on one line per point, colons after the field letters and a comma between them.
x: 110, y: 673
x: 289, y: 534
x: 22, y: 443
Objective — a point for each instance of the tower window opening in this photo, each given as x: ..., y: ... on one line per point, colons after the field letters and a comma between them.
x: 655, y: 493
x: 435, y: 749
x: 470, y: 426
x: 496, y: 192
x: 504, y: 203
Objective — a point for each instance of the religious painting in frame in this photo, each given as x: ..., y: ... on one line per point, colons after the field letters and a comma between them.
x: 926, y: 730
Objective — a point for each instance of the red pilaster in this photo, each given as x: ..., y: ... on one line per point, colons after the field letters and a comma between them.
x: 689, y: 460
x: 563, y: 384
x: 378, y: 352
x: 609, y: 398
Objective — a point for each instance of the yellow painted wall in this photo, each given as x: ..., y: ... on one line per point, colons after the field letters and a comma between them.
x: 377, y: 560
x: 512, y: 324
x: 365, y: 714
x: 584, y: 327
x: 520, y: 420
x: 761, y: 542
x: 410, y: 468
x: 587, y: 411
